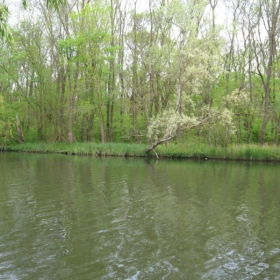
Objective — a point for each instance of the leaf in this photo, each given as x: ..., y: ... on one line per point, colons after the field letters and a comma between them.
x: 55, y: 4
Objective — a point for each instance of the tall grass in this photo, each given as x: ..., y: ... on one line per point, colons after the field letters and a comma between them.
x: 234, y: 152
x: 188, y: 150
x: 91, y: 149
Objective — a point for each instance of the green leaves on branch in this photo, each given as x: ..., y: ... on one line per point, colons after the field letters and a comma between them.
x: 49, y: 3
x: 55, y: 3
x: 4, y: 15
x: 4, y: 30
x: 5, y: 123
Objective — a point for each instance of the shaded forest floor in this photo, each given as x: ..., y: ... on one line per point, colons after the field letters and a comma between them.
x: 250, y: 152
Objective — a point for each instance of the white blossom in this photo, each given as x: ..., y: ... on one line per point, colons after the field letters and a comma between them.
x: 238, y: 99
x: 166, y: 124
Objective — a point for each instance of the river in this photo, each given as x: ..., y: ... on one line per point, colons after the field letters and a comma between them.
x: 77, y: 217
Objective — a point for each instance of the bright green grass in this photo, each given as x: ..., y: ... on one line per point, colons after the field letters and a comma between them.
x: 188, y: 150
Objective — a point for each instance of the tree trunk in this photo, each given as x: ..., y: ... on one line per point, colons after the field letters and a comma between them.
x: 19, y: 130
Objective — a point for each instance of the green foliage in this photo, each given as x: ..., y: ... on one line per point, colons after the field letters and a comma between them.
x: 49, y: 3
x: 131, y: 76
x: 6, y: 123
x: 86, y: 148
x: 4, y: 29
x: 4, y: 15
x: 54, y: 3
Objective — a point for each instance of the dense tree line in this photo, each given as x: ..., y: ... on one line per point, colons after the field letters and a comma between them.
x: 118, y: 71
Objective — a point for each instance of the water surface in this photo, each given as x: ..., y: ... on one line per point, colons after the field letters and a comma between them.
x: 64, y: 217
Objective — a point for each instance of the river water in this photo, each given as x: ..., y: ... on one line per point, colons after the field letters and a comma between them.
x: 75, y: 217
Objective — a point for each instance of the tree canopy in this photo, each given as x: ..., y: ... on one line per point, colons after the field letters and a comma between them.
x: 181, y: 70
x: 4, y: 15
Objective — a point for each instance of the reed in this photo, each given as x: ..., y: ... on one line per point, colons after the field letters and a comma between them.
x: 90, y: 149
x: 233, y: 152
x: 189, y: 150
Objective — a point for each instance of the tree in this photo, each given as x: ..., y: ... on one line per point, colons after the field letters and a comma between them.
x: 197, y: 62
x: 85, y: 70
x: 6, y: 123
x: 270, y: 14
x: 164, y: 127
x: 4, y: 15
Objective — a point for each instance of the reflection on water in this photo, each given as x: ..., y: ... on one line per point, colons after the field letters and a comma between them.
x: 65, y: 217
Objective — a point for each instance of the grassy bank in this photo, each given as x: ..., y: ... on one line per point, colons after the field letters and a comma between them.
x: 201, y: 151
x: 89, y: 149
x: 233, y: 152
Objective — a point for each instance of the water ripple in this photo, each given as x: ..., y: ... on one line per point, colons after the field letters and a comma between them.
x: 86, y: 218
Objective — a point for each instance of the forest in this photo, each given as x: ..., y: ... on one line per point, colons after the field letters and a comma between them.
x: 136, y: 71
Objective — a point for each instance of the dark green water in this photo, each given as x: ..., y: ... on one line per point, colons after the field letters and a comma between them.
x: 64, y: 217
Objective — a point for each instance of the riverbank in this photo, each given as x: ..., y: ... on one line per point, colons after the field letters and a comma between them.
x: 182, y: 151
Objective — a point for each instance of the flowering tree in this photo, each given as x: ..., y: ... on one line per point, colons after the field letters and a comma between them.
x: 166, y: 125
x: 197, y: 65
x: 238, y: 101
